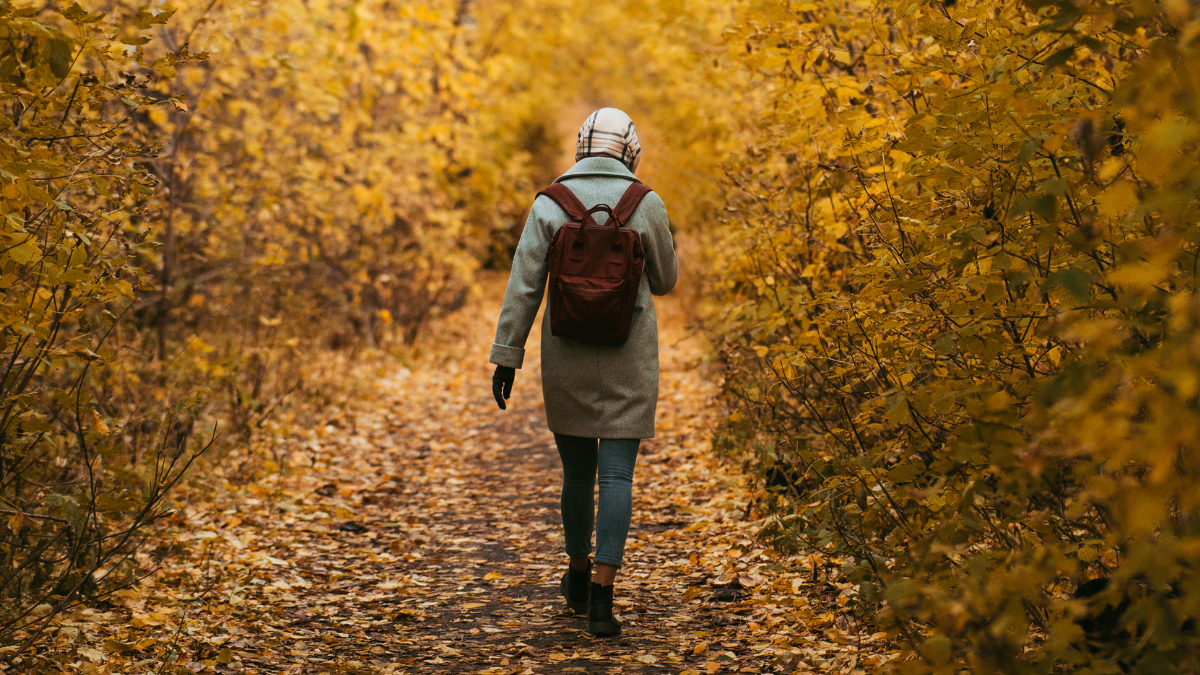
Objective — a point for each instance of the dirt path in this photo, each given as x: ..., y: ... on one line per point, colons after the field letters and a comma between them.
x: 420, y: 534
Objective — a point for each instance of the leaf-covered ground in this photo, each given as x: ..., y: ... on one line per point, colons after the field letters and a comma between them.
x: 419, y: 533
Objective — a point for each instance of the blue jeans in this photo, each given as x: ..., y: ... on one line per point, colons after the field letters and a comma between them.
x: 581, y: 458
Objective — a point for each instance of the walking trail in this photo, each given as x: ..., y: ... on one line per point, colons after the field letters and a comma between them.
x: 419, y: 533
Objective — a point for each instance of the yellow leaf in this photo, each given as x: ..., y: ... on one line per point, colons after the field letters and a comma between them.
x: 1140, y: 275
x: 115, y: 645
x: 1055, y: 142
x: 88, y: 355
x: 1145, y: 513
x: 99, y: 424
x: 1111, y: 169
x: 1117, y: 199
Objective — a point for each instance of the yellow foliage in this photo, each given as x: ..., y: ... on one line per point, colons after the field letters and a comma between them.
x: 971, y: 228
x: 950, y: 251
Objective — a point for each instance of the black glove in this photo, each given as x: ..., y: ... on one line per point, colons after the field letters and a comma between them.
x: 502, y: 381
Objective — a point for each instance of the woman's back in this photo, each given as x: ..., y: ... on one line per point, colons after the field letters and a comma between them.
x: 591, y: 390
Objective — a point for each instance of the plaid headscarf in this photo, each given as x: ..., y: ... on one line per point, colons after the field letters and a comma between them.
x: 608, y: 132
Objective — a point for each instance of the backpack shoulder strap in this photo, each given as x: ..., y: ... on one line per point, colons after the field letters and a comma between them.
x: 630, y: 201
x: 562, y: 195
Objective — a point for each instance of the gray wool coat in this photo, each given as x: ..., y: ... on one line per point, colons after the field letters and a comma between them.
x: 591, y: 391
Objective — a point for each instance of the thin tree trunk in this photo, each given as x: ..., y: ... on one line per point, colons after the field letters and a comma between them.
x: 168, y: 263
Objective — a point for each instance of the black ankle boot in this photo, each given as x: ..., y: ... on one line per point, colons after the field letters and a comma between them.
x: 601, y: 621
x: 576, y: 587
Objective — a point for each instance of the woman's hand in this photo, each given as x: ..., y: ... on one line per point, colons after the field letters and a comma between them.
x: 502, y: 382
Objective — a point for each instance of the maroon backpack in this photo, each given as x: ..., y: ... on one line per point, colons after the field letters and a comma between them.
x: 595, y: 270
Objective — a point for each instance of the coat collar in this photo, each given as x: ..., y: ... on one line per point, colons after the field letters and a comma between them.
x: 598, y: 166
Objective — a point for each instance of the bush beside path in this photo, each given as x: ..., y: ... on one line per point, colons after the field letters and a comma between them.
x: 418, y: 531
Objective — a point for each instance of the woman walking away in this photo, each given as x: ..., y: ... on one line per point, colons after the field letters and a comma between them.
x: 601, y: 239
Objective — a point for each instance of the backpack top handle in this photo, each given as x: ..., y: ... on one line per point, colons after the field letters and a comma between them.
x: 612, y: 218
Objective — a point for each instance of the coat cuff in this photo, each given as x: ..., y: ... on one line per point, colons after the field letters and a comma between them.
x: 503, y: 355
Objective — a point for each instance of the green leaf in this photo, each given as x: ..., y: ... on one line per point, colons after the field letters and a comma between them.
x: 1027, y: 151
x: 1046, y: 206
x: 58, y: 55
x: 1076, y: 281
x: 1054, y: 186
x: 1058, y: 58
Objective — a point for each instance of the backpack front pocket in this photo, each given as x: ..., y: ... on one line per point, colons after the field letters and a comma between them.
x: 590, y: 309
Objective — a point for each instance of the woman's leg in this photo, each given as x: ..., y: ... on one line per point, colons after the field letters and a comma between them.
x: 617, y: 459
x: 578, y: 495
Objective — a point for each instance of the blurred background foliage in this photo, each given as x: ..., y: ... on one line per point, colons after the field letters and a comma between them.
x: 947, y: 252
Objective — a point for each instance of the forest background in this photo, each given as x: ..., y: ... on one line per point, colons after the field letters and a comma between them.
x: 948, y: 253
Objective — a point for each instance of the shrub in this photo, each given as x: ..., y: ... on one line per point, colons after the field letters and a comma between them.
x: 961, y: 350
x: 76, y: 493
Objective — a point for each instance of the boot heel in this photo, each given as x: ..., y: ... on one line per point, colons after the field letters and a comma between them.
x: 572, y: 581
x: 601, y: 621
